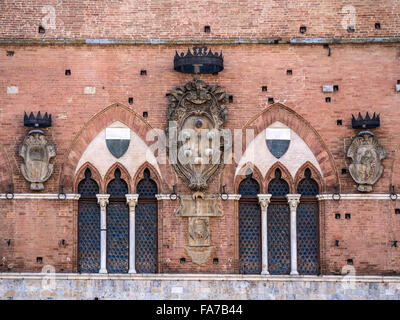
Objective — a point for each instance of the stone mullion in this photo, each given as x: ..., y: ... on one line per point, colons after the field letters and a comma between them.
x: 102, y: 199
x: 264, y: 200
x: 293, y: 200
x: 131, y: 200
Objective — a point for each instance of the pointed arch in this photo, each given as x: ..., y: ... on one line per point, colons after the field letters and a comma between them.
x: 153, y: 175
x: 285, y: 176
x: 112, y: 113
x: 285, y: 115
x: 81, y: 175
x: 256, y: 176
x: 316, y: 176
x: 109, y: 176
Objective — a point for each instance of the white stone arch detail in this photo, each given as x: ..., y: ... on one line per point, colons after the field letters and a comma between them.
x: 101, y: 158
x: 297, y: 154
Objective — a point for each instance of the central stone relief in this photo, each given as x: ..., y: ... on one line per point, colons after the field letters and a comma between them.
x: 196, y: 115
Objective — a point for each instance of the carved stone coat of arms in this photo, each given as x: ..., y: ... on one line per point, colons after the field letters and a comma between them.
x: 196, y: 114
x: 37, y: 152
x: 366, y: 153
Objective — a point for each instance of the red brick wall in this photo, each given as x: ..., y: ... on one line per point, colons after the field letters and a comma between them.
x: 146, y: 19
x: 366, y: 75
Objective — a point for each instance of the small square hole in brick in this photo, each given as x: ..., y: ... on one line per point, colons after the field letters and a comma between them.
x: 230, y: 99
x: 397, y: 211
x: 289, y: 72
x: 351, y: 29
x: 207, y: 29
x: 337, y: 215
x: 264, y: 88
x: 167, y: 94
x: 398, y: 81
x: 303, y: 29
x: 39, y: 259
x: 130, y: 100
x: 67, y: 72
x: 328, y: 99
x: 143, y: 72
x: 350, y: 261
x: 335, y: 88
x: 182, y: 260
x: 41, y: 29
x: 270, y: 100
x: 9, y: 53
x: 344, y: 170
x: 347, y: 216
x: 339, y: 122
x: 337, y: 243
x: 145, y: 114
x: 215, y: 261
x: 377, y: 26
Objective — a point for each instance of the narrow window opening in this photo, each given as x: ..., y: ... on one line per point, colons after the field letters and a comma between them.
x: 207, y: 29
x: 130, y: 100
x: 337, y: 243
x: 377, y: 26
x: 230, y: 99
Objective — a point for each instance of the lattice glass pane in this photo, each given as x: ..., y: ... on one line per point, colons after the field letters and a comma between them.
x: 146, y: 188
x: 146, y: 237
x: 307, y: 187
x: 117, y: 187
x: 88, y: 187
x: 249, y: 187
x: 307, y: 238
x: 89, y: 238
x: 278, y: 220
x: 117, y: 238
x: 249, y: 238
x: 278, y: 187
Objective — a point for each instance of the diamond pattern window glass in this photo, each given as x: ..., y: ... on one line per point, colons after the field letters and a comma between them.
x: 278, y: 226
x: 249, y: 227
x: 146, y: 235
x: 88, y: 226
x: 117, y: 226
x: 307, y: 226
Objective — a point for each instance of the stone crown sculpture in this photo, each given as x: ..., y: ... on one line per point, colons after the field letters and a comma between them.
x: 37, y: 152
x: 196, y: 115
x: 366, y: 153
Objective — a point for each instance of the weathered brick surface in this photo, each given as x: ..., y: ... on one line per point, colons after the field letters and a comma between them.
x: 365, y: 73
x: 138, y: 19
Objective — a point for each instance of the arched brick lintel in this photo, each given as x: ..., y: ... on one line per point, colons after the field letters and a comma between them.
x: 112, y: 113
x: 285, y: 115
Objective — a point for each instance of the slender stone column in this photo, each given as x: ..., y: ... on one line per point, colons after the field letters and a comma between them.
x: 293, y: 200
x: 264, y: 200
x: 102, y: 199
x: 131, y: 200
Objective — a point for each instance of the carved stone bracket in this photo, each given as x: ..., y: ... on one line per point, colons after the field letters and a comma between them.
x: 199, y: 208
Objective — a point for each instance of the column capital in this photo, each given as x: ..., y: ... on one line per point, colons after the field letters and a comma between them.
x: 264, y: 199
x: 132, y: 199
x: 102, y: 199
x: 293, y: 199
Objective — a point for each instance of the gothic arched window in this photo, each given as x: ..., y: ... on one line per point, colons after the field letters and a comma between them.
x: 278, y: 226
x: 307, y: 226
x: 249, y: 226
x: 88, y: 225
x: 117, y: 226
x: 146, y: 225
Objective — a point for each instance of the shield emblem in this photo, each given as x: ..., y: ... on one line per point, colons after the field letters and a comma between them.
x: 117, y: 140
x: 278, y: 140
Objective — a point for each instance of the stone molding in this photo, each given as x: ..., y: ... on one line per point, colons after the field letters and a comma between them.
x: 357, y: 196
x: 165, y: 196
x: 46, y: 196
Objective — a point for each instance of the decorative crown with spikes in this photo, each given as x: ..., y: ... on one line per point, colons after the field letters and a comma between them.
x: 365, y: 123
x: 38, y: 121
x: 199, y: 62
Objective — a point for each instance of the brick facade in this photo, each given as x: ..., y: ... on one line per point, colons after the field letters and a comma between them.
x: 366, y: 74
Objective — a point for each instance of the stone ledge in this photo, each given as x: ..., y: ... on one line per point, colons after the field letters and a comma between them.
x: 196, y: 277
x: 47, y: 196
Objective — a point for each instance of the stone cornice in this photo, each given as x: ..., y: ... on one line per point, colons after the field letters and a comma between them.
x: 46, y: 196
x: 357, y: 196
x: 196, y: 277
x: 165, y: 196
x: 197, y: 41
